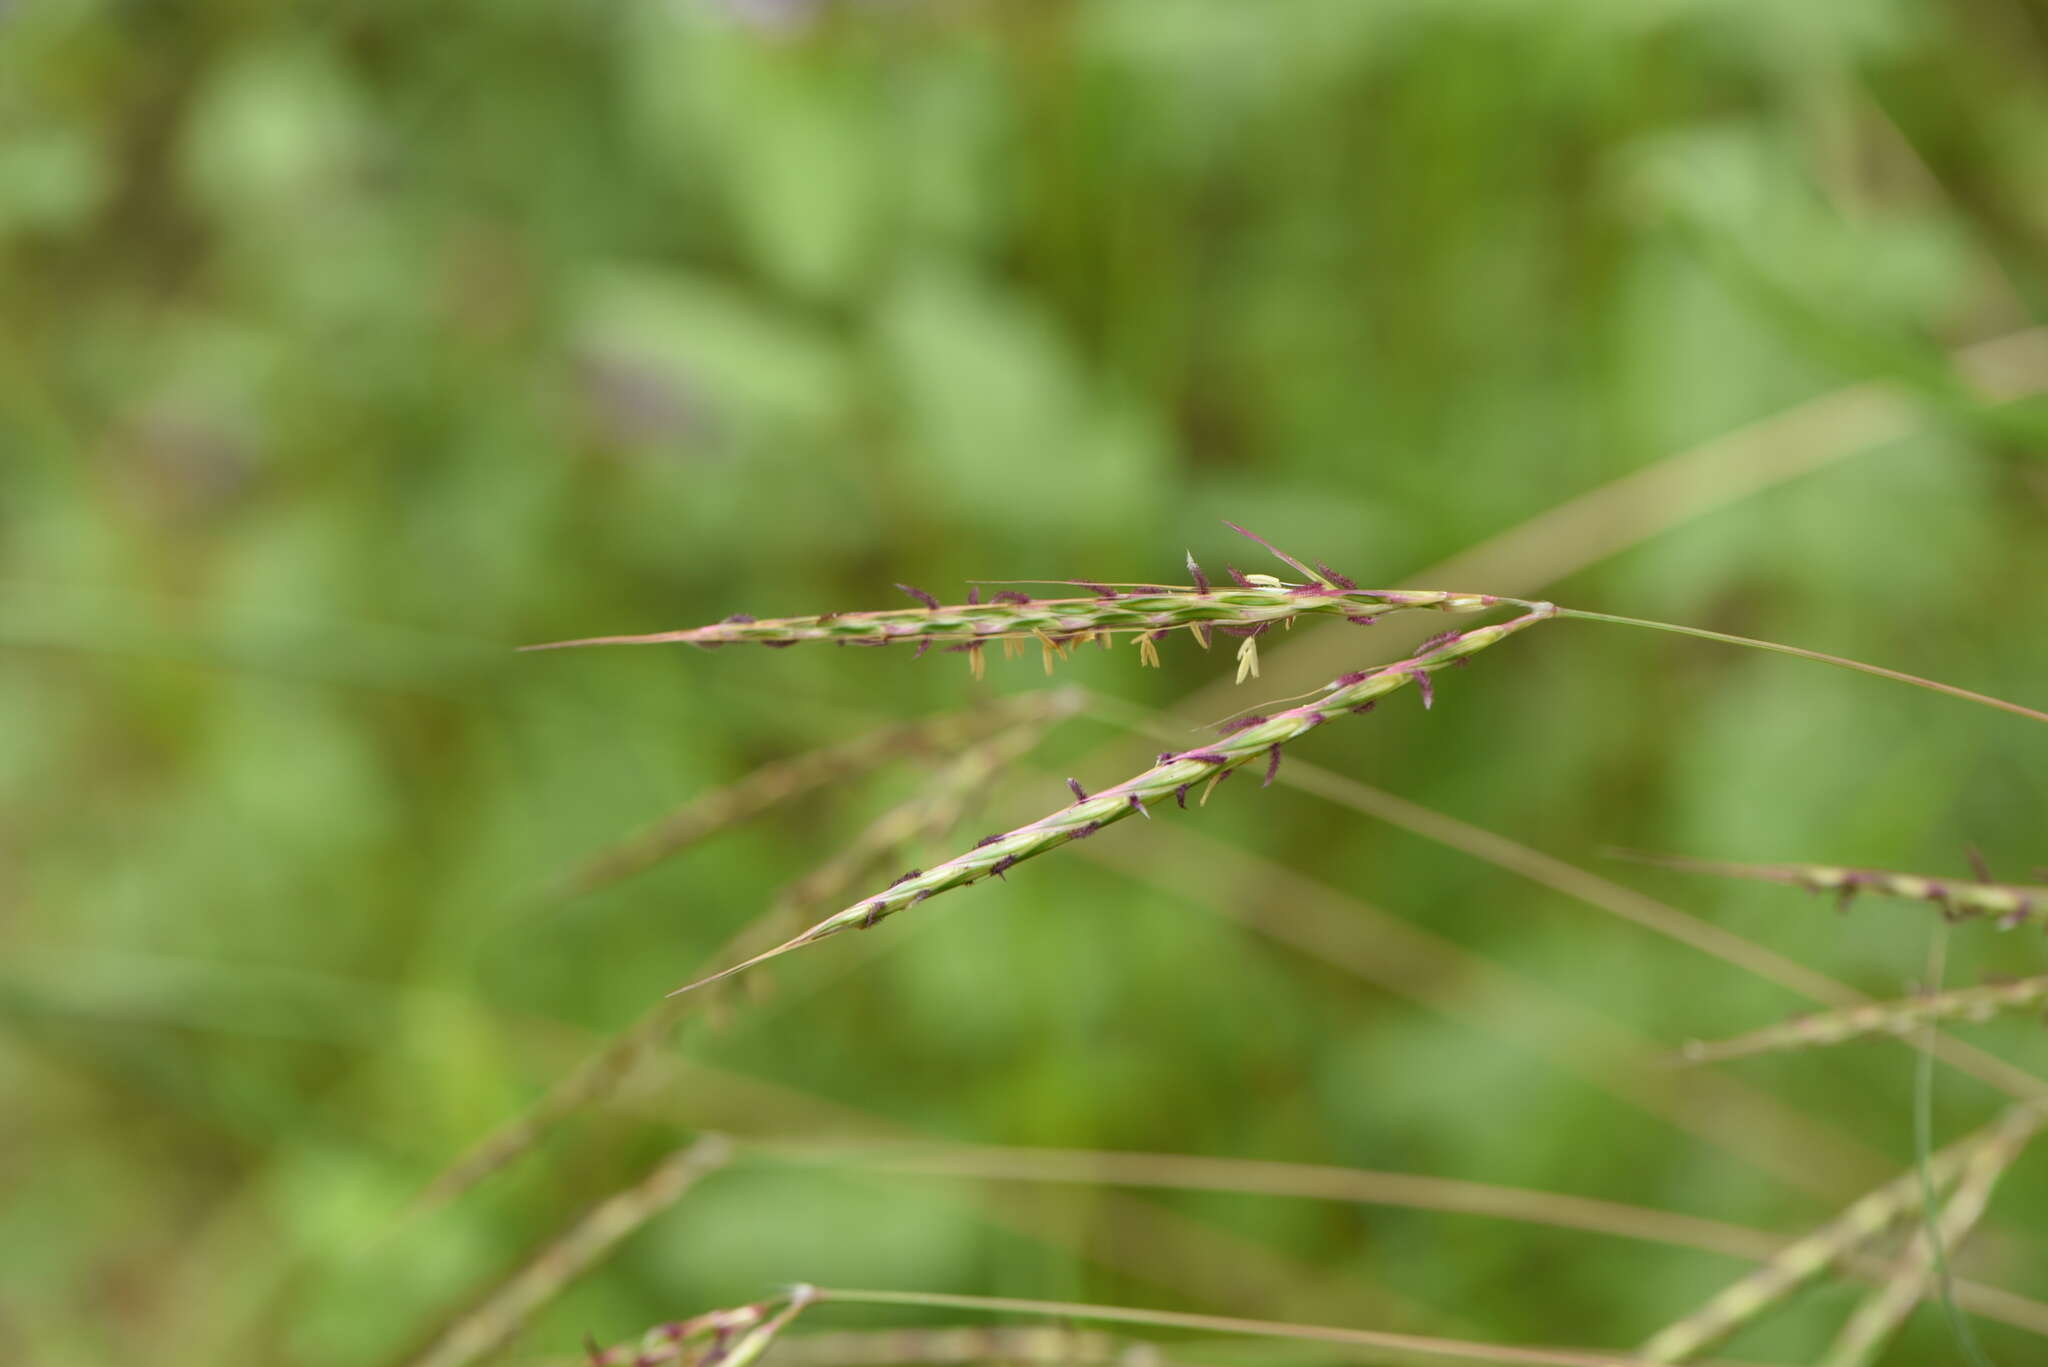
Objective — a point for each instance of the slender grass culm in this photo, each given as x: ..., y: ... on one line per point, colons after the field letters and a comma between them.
x: 1242, y: 607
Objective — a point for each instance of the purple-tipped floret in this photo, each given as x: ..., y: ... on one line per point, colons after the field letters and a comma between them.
x: 1442, y: 638
x: 1424, y: 686
x: 1012, y: 596
x: 1342, y: 581
x: 921, y: 596
x: 1272, y: 766
x: 741, y: 618
x: 1195, y: 573
x: 1080, y: 793
x: 1244, y: 723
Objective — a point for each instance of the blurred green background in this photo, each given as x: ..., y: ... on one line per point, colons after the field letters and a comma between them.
x: 346, y: 346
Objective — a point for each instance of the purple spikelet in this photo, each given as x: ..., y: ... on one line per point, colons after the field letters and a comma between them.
x: 1359, y: 619
x: 1243, y: 580
x: 742, y: 618
x: 924, y: 643
x: 1244, y: 723
x: 921, y: 596
x: 1205, y: 757
x: 1350, y: 680
x: 1425, y: 687
x: 1003, y: 866
x: 1180, y: 795
x: 1195, y: 573
x: 1101, y: 590
x: 1272, y: 766
x: 1083, y: 832
x: 973, y: 594
x: 875, y: 910
x: 905, y: 878
x: 1368, y: 705
x: 988, y: 840
x: 1080, y: 793
x: 778, y: 645
x: 1442, y: 638
x: 1021, y: 600
x: 1342, y: 581
x: 1139, y: 807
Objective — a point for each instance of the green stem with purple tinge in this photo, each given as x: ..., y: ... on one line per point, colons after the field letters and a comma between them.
x: 1819, y: 657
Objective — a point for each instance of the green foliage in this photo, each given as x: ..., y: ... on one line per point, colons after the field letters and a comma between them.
x: 344, y: 347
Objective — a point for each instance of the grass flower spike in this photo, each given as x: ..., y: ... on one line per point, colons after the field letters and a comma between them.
x: 1970, y: 1004
x: 1142, y: 609
x: 1248, y: 739
x: 1959, y: 899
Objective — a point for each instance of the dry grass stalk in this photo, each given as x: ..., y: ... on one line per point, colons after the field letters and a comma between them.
x: 1959, y: 899
x: 1247, y: 739
x: 1968, y: 1004
x: 784, y: 779
x: 1806, y: 1258
x: 1885, y: 1309
x: 1414, y: 1191
x: 930, y: 812
x: 1029, y: 1344
x: 502, y: 1314
x: 1362, y: 1345
x: 1049, y: 1344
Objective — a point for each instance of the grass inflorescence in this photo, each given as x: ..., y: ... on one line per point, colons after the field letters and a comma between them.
x: 1901, y: 1017
x: 2009, y: 904
x: 1245, y: 607
x: 1246, y: 739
